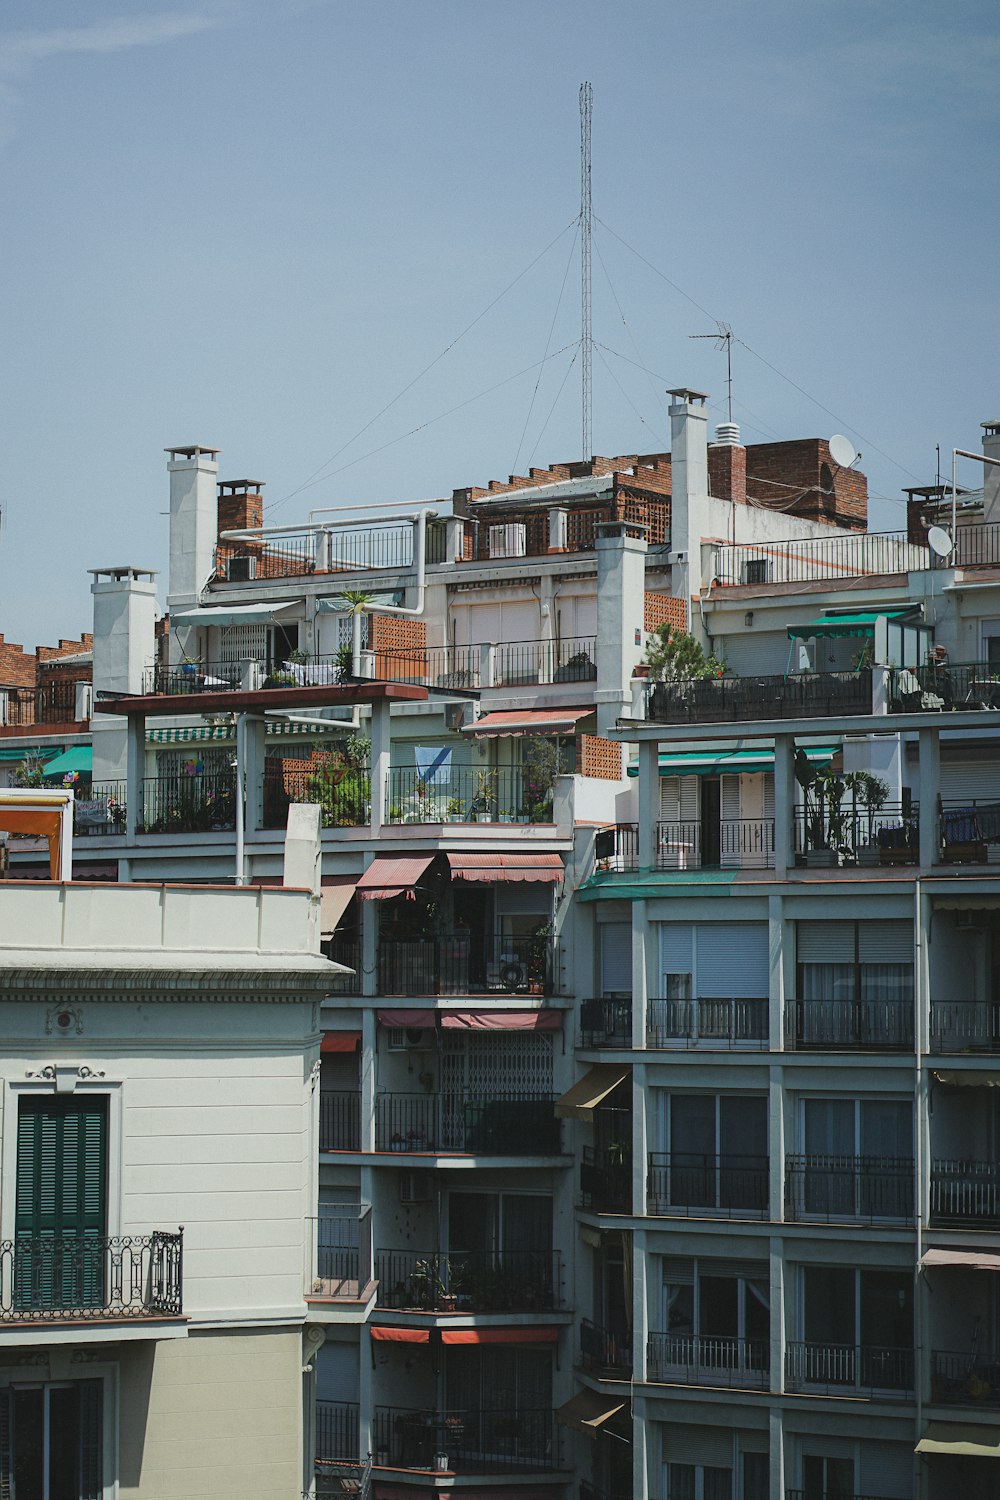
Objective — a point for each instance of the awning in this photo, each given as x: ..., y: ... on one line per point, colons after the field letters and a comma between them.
x: 401, y: 1335
x: 337, y: 606
x: 717, y: 762
x: 35, y: 751
x: 971, y: 1078
x: 528, y: 721
x: 392, y: 875
x: 38, y: 822
x: 501, y: 1020
x: 964, y: 1441
x: 589, y: 1410
x: 340, y: 1041
x: 423, y: 1020
x: 505, y: 869
x: 76, y: 758
x: 579, y: 1102
x: 855, y: 625
x: 236, y: 614
x: 335, y: 897
x: 972, y: 1260
x: 499, y: 1335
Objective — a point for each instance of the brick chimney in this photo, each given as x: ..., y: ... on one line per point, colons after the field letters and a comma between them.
x: 727, y: 464
x: 241, y: 504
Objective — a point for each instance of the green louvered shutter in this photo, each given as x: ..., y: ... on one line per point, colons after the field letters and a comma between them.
x: 5, y: 1474
x: 60, y: 1214
x: 91, y: 1486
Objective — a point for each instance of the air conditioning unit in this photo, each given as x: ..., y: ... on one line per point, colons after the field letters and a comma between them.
x: 241, y: 569
x: 509, y: 541
x: 408, y: 1039
x: 757, y: 570
x: 415, y: 1187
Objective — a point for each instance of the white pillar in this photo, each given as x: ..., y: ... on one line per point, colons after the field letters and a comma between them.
x: 380, y: 760
x: 194, y: 521
x: 621, y: 581
x: 929, y: 752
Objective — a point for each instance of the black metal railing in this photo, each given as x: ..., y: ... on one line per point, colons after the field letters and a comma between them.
x: 185, y: 678
x: 808, y: 559
x: 52, y: 703
x: 100, y: 810
x: 456, y: 667
x: 732, y: 843
x: 739, y: 699
x: 832, y: 1369
x: 814, y: 1494
x: 343, y: 1250
x: 616, y: 847
x: 53, y: 1277
x: 606, y: 1179
x: 339, y: 1120
x: 250, y: 561
x: 188, y: 804
x: 338, y: 1432
x: 606, y: 1022
x: 976, y: 545
x: 945, y: 686
x: 469, y: 1280
x: 964, y: 1026
x: 837, y: 1188
x: 343, y: 794
x: 346, y: 951
x: 849, y: 1025
x: 968, y: 829
x: 505, y: 1123
x: 253, y: 672
x: 839, y: 835
x: 964, y: 1192
x: 706, y: 1022
x: 462, y: 794
x: 521, y: 663
x: 470, y: 1438
x: 464, y: 963
x: 605, y: 1351
x: 698, y: 1185
x: 690, y: 1359
x: 965, y: 1378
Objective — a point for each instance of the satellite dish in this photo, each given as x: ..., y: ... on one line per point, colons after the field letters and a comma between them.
x: 939, y: 541
x: 842, y: 451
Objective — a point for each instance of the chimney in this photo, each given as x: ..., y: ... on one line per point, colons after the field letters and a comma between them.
x: 193, y: 521
x: 124, y: 644
x: 689, y: 487
x: 727, y: 464
x: 241, y: 504
x: 991, y: 475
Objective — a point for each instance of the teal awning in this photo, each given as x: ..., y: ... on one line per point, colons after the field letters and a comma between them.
x: 8, y: 755
x: 76, y: 758
x: 856, y: 625
x: 236, y: 614
x: 337, y: 606
x: 718, y: 762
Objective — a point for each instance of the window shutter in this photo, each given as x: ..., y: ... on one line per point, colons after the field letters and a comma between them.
x: 824, y: 942
x: 885, y: 942
x: 616, y: 958
x: 60, y: 1196
x: 732, y: 961
x: 676, y: 947
x: 670, y: 799
x: 91, y: 1483
x: 6, y: 1486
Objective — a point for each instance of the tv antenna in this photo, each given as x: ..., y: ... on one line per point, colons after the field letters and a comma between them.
x: 586, y: 234
x: 723, y: 338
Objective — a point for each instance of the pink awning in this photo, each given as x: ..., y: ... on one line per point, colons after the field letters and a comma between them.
x: 423, y: 1019
x: 972, y: 1260
x: 528, y: 721
x: 501, y: 1020
x: 506, y: 869
x: 392, y: 875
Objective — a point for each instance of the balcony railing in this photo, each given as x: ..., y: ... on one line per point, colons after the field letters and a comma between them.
x: 463, y: 794
x: 843, y: 836
x: 96, y: 1277
x: 469, y: 1280
x: 606, y: 1022
x: 465, y: 963
x: 504, y: 1123
x: 101, y: 811
x: 706, y: 1023
x: 346, y: 951
x: 964, y: 1026
x: 945, y: 686
x: 616, y: 847
x: 738, y: 699
x: 965, y: 1192
x: 337, y: 1432
x: 833, y: 1369
x: 472, y: 1439
x: 342, y: 1257
x: 855, y: 554
x: 696, y: 1185
x: 604, y: 1352
x: 188, y: 804
x: 339, y: 1120
x: 844, y: 1189
x: 606, y: 1179
x: 733, y: 843
x: 849, y: 1025
x: 813, y: 1494
x: 964, y: 1378
x: 52, y: 703
x: 691, y: 1360
x: 344, y: 796
x: 969, y: 829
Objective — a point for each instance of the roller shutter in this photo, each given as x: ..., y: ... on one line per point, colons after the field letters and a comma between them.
x: 731, y: 960
x: 965, y: 781
x: 824, y: 942
x: 616, y: 958
x: 676, y: 948
x: 885, y: 942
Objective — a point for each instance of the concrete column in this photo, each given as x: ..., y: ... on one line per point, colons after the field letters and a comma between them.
x: 194, y: 521
x: 784, y: 804
x: 929, y: 757
x: 776, y: 1446
x: 454, y: 530
x: 641, y: 1101
x: 557, y: 529
x: 641, y: 1293
x: 380, y: 761
x: 487, y: 665
x: 621, y: 581
x: 254, y: 745
x: 689, y: 497
x: 369, y: 1031
x: 649, y: 801
x: 135, y: 770
x: 643, y: 1480
x: 644, y: 938
x: 778, y: 979
x: 369, y: 946
x: 991, y: 475
x: 124, y: 644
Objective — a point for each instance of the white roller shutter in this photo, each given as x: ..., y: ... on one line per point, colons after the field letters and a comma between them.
x: 730, y: 814
x: 885, y: 942
x: 754, y: 653
x: 483, y: 625
x: 731, y: 961
x: 676, y: 948
x: 970, y: 781
x: 616, y: 958
x: 824, y: 942
x: 712, y: 1447
x: 886, y: 1469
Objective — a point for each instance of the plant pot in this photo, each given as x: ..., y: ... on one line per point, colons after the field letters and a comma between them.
x: 447, y: 1302
x: 867, y: 855
x: 822, y: 859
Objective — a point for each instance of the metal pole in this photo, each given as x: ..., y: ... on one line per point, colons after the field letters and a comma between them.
x: 241, y: 749
x: 586, y: 228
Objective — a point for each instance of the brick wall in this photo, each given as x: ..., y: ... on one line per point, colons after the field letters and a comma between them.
x: 18, y: 668
x: 801, y: 472
x: 727, y: 472
x: 399, y: 644
x: 239, y: 509
x: 598, y: 757
x: 660, y: 609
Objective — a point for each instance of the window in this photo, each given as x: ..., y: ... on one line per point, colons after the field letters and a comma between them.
x: 50, y: 1441
x: 717, y: 1151
x: 827, y: 1478
x: 858, y: 1328
x: 698, y: 1482
x: 60, y: 1217
x: 716, y: 1316
x: 855, y: 983
x: 858, y: 1159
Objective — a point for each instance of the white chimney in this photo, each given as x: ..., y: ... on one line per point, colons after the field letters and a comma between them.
x: 688, y: 487
x: 991, y: 475
x: 124, y: 645
x: 194, y: 522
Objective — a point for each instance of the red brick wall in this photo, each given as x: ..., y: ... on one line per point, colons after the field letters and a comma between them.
x: 240, y: 511
x: 18, y: 668
x: 727, y: 472
x: 405, y: 639
x: 598, y: 757
x: 799, y: 472
x: 659, y: 609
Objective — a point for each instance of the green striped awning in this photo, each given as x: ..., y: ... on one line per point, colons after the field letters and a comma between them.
x: 8, y: 754
x: 718, y: 762
x: 862, y: 624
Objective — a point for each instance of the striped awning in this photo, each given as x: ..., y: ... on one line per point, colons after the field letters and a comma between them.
x: 392, y: 875
x: 506, y: 869
x: 517, y: 721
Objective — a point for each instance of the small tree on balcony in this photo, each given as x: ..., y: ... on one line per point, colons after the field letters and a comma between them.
x: 675, y: 656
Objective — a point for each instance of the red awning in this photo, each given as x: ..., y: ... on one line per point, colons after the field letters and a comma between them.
x: 422, y: 1019
x: 528, y: 721
x: 392, y: 875
x: 340, y: 1041
x: 335, y: 897
x: 507, y: 869
x: 501, y: 1020
x: 401, y: 1335
x: 499, y: 1335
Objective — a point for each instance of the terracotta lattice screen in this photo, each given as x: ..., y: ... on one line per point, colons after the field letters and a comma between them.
x: 599, y: 757
x: 400, y: 647
x: 662, y: 609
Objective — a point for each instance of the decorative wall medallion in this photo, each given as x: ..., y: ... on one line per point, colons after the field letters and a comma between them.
x: 63, y: 1019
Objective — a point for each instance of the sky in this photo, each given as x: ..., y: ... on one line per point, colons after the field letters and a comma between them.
x: 336, y: 239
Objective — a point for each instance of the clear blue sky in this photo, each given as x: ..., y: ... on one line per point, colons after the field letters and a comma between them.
x: 250, y: 223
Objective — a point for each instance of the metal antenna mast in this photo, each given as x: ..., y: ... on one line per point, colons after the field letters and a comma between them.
x: 723, y: 340
x: 586, y: 228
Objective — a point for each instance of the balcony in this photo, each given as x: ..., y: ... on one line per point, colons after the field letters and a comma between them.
x: 606, y: 1179
x: 857, y: 554
x: 838, y: 835
x: 91, y: 1278
x: 463, y: 794
x: 603, y: 1353
x: 101, y: 811
x: 466, y: 963
x: 687, y: 1359
x: 188, y: 804
x: 849, y: 1025
x: 691, y: 1184
x: 797, y: 695
x: 965, y: 1192
x: 964, y: 1026
x: 945, y: 686
x: 337, y: 1432
x: 839, y: 1369
x: 478, y: 1281
x: 26, y: 707
x: 606, y: 1023
x: 707, y: 1023
x: 343, y: 792
x: 970, y: 831
x: 965, y: 1379
x: 473, y: 1440
x: 847, y: 1189
x: 342, y: 1252
x: 504, y: 1124
x: 733, y: 844
x: 339, y: 1120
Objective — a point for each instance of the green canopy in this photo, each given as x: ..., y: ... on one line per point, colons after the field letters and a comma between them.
x: 856, y: 625
x: 716, y: 762
x: 76, y: 758
x: 7, y: 754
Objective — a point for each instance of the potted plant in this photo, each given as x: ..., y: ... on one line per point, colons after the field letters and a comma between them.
x: 824, y: 791
x: 676, y: 660
x: 484, y: 801
x: 456, y: 810
x: 872, y: 793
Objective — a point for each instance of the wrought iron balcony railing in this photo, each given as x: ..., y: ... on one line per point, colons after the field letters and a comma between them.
x: 469, y: 1280
x: 849, y: 1025
x: 730, y: 844
x: 844, y: 1189
x: 796, y: 695
x: 337, y: 1432
x: 948, y: 687
x: 342, y: 1251
x: 706, y: 1023
x: 188, y: 804
x: 606, y: 1179
x: 965, y: 1192
x: 964, y: 1026
x: 100, y: 810
x: 606, y: 1022
x: 52, y: 703
x: 464, y: 794
x: 504, y: 1123
x: 965, y: 1379
x: 473, y: 1440
x: 605, y: 1352
x: 844, y: 835
x: 692, y: 1360
x: 53, y: 1278
x: 696, y: 1185
x: 832, y: 1369
x: 340, y: 1120
x: 466, y: 962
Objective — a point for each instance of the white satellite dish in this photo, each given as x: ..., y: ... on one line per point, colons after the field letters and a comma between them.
x: 940, y: 542
x: 842, y: 451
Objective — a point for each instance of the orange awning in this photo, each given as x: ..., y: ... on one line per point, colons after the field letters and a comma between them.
x: 401, y: 1335
x: 499, y: 1335
x: 507, y: 869
x: 528, y: 721
x: 501, y: 1020
x: 392, y: 875
x: 340, y: 1041
x: 40, y: 822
